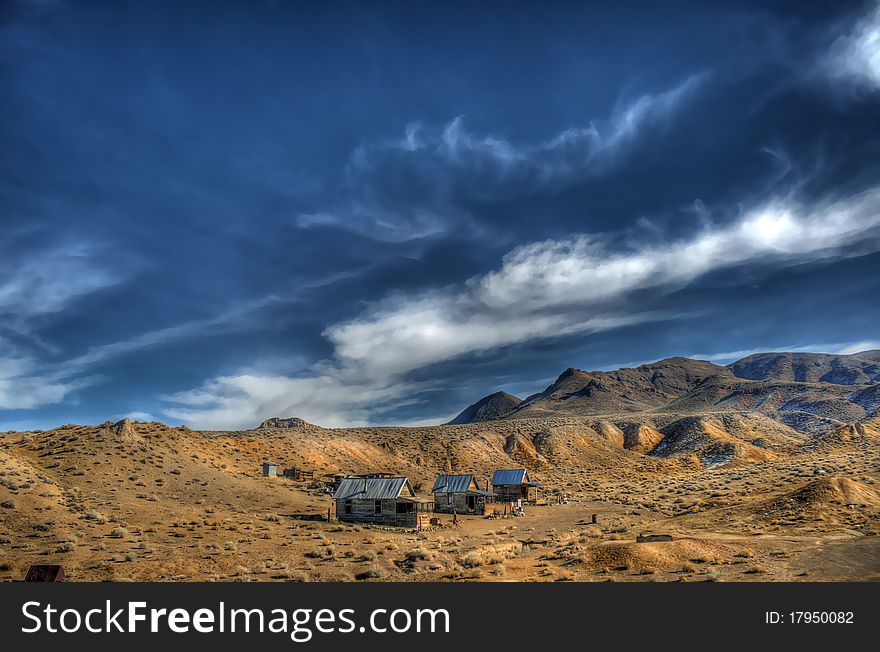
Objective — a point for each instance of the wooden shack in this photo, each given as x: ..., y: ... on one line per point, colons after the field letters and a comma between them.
x: 385, y: 501
x: 459, y: 494
x: 270, y: 469
x: 514, y: 486
x: 299, y: 474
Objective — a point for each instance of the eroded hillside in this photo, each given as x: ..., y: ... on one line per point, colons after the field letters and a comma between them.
x: 737, y: 491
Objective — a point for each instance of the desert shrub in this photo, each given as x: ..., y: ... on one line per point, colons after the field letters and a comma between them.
x: 118, y: 532
x: 321, y: 552
x: 95, y: 516
x: 368, y: 555
x: 372, y: 573
x: 420, y: 553
x: 748, y: 553
x: 67, y: 546
x: 8, y: 504
x: 471, y: 560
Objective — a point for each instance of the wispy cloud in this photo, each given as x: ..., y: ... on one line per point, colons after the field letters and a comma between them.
x: 541, y: 290
x: 46, y: 282
x: 837, y: 348
x: 434, y: 168
x: 41, y: 284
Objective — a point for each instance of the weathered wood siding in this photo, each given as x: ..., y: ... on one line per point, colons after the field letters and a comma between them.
x: 507, y: 493
x: 459, y: 503
x: 364, y: 511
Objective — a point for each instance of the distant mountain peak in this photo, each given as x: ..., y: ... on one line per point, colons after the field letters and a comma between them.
x: 489, y: 407
x: 804, y: 367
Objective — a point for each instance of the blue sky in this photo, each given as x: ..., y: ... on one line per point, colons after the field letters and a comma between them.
x: 377, y: 214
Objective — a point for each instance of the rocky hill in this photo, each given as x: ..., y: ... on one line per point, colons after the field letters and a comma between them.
x: 487, y: 408
x: 291, y: 423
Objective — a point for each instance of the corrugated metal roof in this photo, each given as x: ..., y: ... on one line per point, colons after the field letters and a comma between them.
x: 453, y: 484
x: 509, y: 476
x: 371, y: 488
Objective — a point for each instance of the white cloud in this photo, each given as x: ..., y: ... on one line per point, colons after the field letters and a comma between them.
x: 857, y: 347
x: 855, y: 56
x: 563, y: 286
x: 329, y: 399
x: 23, y: 386
x: 541, y: 290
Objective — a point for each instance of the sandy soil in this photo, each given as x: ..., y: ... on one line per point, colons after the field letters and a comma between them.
x: 148, y: 502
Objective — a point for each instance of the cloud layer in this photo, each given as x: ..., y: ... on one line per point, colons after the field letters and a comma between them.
x: 542, y: 290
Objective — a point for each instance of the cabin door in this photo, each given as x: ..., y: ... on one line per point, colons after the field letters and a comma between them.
x: 471, y: 503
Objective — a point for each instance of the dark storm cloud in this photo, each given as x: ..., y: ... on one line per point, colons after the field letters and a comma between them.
x: 378, y: 214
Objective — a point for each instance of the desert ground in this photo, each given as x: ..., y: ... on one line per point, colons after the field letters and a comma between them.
x: 147, y: 502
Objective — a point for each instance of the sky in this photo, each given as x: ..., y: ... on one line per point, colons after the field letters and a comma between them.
x: 376, y: 213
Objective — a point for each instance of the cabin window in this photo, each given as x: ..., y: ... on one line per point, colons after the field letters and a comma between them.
x: 378, y: 507
x: 348, y: 507
x: 404, y: 508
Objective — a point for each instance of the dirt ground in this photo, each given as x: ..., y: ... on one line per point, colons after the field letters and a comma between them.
x: 146, y: 502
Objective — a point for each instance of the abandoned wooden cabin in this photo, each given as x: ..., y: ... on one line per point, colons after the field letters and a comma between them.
x: 270, y: 469
x: 299, y: 474
x: 385, y: 501
x: 459, y: 494
x: 514, y: 486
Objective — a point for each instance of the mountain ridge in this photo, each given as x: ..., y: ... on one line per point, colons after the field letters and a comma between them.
x: 808, y: 391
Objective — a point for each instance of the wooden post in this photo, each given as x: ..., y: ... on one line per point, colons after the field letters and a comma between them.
x: 328, y: 514
x: 594, y: 518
